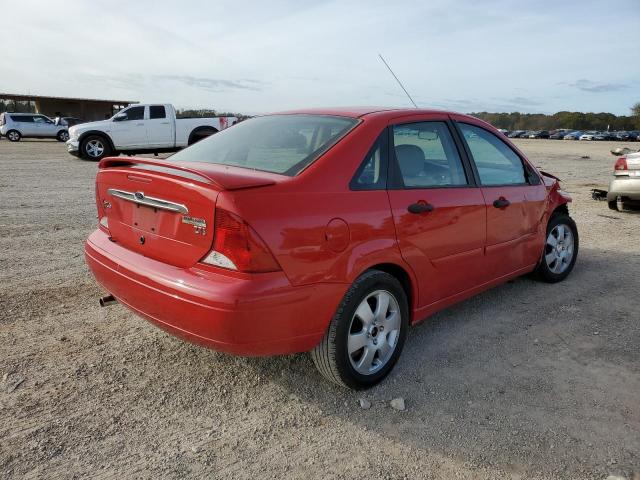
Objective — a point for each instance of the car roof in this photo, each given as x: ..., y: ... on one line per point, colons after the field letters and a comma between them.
x: 358, y: 112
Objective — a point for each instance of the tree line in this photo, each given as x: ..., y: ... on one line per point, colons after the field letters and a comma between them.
x: 572, y: 120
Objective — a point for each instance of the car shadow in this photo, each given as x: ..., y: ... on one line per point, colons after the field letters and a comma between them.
x: 527, y: 370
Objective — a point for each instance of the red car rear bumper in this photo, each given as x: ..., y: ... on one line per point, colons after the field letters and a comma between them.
x: 242, y: 314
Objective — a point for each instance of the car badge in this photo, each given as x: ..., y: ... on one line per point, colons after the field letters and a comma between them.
x: 139, y: 195
x: 199, y: 224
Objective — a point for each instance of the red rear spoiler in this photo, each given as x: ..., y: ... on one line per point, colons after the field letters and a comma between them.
x: 224, y: 177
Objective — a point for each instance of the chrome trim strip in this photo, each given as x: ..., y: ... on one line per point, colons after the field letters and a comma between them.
x: 141, y: 199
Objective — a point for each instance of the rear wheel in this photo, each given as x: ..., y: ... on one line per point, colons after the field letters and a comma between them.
x: 62, y: 136
x: 14, y: 136
x: 95, y: 147
x: 200, y: 134
x: 366, y: 336
x: 560, y: 250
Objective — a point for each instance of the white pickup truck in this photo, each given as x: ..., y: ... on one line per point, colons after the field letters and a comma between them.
x: 151, y: 128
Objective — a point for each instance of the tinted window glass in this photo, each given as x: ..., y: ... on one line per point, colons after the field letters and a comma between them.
x: 22, y: 118
x: 426, y: 155
x: 372, y: 173
x: 157, y: 111
x: 135, y: 113
x: 497, y: 164
x: 275, y: 143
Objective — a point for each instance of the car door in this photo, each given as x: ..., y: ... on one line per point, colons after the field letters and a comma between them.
x: 25, y: 125
x: 439, y: 214
x: 159, y: 128
x: 515, y: 198
x: 129, y: 129
x: 44, y: 126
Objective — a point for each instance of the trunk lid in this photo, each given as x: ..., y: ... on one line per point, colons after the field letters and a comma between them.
x: 166, y: 211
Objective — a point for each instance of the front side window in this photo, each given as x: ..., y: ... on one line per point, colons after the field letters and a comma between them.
x: 426, y: 155
x: 133, y: 113
x: 496, y: 163
x: 284, y: 144
x: 41, y: 120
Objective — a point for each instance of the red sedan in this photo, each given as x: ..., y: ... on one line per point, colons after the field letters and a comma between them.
x: 329, y: 231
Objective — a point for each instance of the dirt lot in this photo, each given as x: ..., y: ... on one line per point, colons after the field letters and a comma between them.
x: 528, y: 380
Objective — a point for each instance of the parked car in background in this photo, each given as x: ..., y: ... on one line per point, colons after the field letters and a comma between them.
x: 624, y: 189
x: 16, y: 126
x: 503, y: 131
x: 622, y: 136
x: 539, y: 134
x: 634, y: 135
x: 557, y: 135
x: 588, y: 135
x: 603, y: 136
x: 288, y: 233
x: 516, y: 133
x: 151, y: 128
x: 573, y: 135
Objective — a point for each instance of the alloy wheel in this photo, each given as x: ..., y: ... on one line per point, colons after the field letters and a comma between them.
x: 559, y: 248
x: 94, y: 148
x: 374, y: 332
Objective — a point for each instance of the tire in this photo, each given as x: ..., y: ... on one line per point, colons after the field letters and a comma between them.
x: 95, y: 147
x: 62, y: 136
x: 619, y: 203
x: 358, y: 369
x: 613, y: 205
x: 560, y: 251
x: 13, y: 136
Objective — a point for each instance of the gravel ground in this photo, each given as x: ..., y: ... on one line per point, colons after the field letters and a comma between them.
x: 528, y: 380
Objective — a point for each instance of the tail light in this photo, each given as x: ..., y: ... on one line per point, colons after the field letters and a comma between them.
x: 236, y: 246
x: 621, y: 164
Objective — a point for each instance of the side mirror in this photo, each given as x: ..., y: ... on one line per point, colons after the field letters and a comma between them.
x: 120, y: 117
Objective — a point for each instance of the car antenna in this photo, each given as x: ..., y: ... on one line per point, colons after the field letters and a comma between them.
x: 397, y: 80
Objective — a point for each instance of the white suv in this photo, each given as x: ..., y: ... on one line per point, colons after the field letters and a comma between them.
x: 15, y: 126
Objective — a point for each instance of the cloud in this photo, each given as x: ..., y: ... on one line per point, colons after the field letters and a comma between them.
x: 596, y: 87
x: 213, y: 84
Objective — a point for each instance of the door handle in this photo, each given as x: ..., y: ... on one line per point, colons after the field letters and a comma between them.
x: 501, y: 203
x: 165, y: 123
x: 420, y: 207
x: 139, y: 124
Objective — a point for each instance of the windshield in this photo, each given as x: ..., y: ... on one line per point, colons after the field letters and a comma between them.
x: 284, y: 144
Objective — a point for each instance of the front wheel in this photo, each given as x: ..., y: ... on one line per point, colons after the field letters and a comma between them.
x: 95, y: 147
x: 366, y: 335
x: 62, y: 136
x: 560, y: 249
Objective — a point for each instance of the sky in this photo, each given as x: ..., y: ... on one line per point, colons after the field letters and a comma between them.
x: 255, y: 57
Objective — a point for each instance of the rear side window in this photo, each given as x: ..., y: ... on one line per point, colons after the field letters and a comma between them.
x: 426, y: 156
x: 496, y: 163
x: 372, y: 173
x: 157, y: 111
x: 284, y: 144
x: 22, y: 118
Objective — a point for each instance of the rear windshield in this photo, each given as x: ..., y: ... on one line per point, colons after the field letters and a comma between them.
x: 284, y: 144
